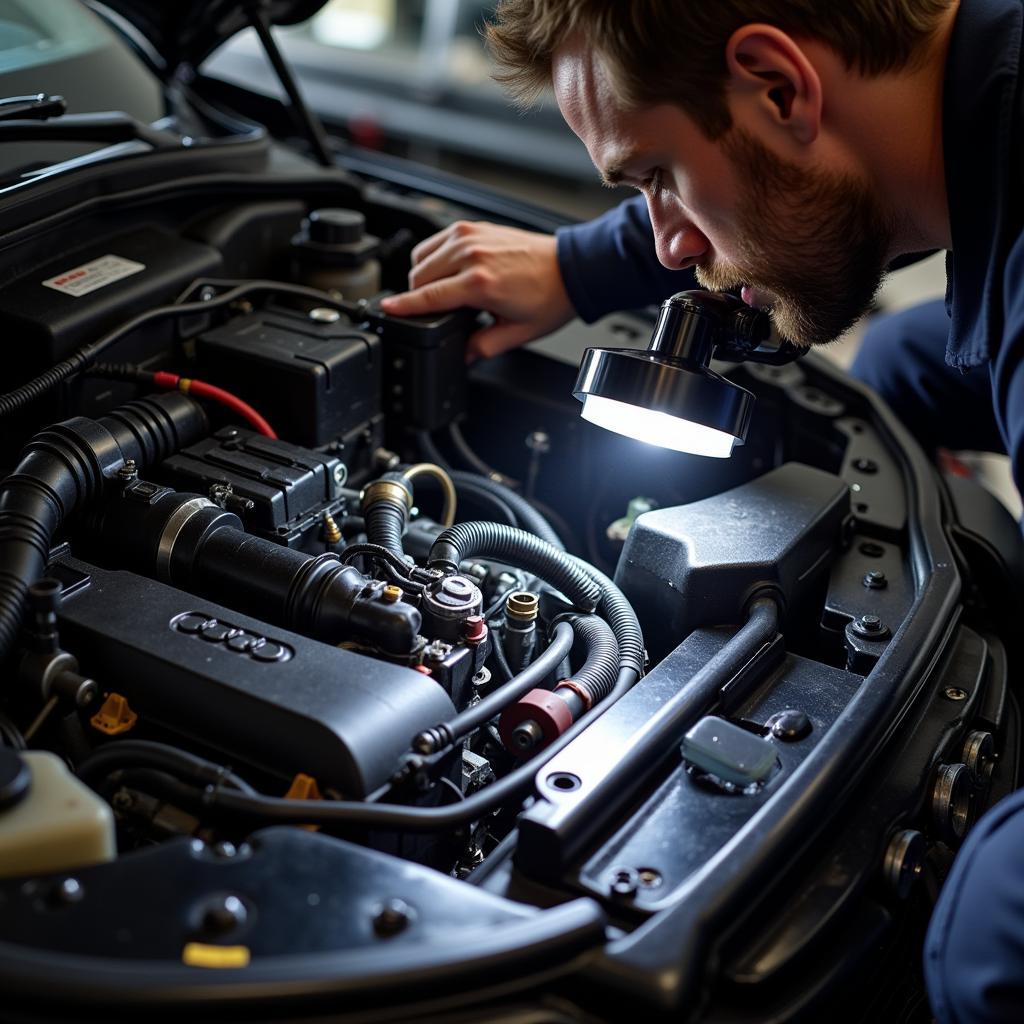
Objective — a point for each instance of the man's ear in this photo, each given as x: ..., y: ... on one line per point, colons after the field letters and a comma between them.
x: 771, y: 76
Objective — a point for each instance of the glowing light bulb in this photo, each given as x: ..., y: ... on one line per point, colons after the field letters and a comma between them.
x: 658, y: 428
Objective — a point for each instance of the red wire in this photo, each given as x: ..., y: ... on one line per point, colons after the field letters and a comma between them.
x: 172, y: 382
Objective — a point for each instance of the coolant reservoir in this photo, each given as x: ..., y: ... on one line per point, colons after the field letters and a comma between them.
x: 333, y: 252
x: 49, y: 820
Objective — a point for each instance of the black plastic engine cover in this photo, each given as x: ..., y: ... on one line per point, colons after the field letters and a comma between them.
x: 699, y: 564
x: 289, y: 704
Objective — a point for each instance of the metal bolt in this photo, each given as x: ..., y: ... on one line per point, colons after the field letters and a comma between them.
x: 437, y: 651
x: 870, y: 627
x: 868, y: 466
x: 224, y: 850
x: 789, y: 725
x: 875, y: 580
x: 649, y: 878
x: 955, y: 693
x: 980, y: 755
x: 128, y: 472
x: 340, y: 474
x: 624, y: 883
x: 391, y: 594
x: 392, y: 917
x: 332, y: 534
x: 904, y: 861
x: 951, y: 801
x: 324, y: 315
x: 223, y: 914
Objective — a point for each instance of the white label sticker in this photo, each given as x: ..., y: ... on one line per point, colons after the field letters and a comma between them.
x: 90, y: 276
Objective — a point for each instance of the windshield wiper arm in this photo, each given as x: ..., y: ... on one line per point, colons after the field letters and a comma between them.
x: 39, y: 107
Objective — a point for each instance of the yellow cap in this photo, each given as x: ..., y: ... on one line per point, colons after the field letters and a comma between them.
x: 202, y: 954
x: 115, y: 716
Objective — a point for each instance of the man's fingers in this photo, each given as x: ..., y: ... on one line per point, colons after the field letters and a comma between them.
x: 436, y: 297
x: 460, y: 229
x: 492, y: 341
x: 429, y: 245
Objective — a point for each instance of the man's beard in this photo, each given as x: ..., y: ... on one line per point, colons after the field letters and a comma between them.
x: 818, y: 242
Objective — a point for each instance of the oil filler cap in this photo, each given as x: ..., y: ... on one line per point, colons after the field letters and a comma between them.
x: 728, y: 752
x: 15, y: 778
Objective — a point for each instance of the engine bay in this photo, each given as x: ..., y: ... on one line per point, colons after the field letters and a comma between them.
x: 304, y: 695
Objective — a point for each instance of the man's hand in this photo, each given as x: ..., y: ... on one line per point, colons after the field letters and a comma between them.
x: 512, y: 274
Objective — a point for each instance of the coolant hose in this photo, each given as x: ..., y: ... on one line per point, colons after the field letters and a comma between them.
x: 62, y: 469
x: 596, y: 677
x: 539, y: 717
x: 519, y: 548
x: 527, y: 516
x: 619, y: 614
x: 386, y: 503
x: 145, y: 753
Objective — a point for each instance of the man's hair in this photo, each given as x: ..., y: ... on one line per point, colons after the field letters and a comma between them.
x: 674, y: 50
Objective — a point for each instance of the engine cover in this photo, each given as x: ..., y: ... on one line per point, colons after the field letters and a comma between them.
x: 287, y: 704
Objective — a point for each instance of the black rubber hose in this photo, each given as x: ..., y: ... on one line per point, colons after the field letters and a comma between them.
x: 62, y: 469
x: 526, y: 515
x: 147, y: 754
x: 519, y: 548
x: 472, y: 718
x: 597, y: 675
x: 471, y: 458
x: 619, y: 614
x: 469, y: 487
x: 385, y: 525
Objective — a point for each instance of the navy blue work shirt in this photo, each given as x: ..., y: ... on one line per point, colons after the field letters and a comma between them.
x: 974, y: 951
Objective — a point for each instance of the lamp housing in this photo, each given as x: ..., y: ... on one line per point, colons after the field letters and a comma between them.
x: 668, y: 395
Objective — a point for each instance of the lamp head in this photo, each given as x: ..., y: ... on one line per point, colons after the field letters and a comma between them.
x: 669, y: 396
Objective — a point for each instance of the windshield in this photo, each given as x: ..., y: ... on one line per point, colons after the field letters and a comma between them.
x: 60, y: 47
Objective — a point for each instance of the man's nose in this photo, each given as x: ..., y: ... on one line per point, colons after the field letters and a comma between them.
x: 678, y: 243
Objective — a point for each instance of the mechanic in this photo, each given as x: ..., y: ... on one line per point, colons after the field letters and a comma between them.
x: 795, y: 149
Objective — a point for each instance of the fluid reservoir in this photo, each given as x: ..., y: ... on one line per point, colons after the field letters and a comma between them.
x: 49, y: 820
x: 332, y: 251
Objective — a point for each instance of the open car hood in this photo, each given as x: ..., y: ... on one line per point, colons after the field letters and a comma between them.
x: 188, y: 31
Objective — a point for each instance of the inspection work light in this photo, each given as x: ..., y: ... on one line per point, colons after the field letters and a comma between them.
x: 668, y: 395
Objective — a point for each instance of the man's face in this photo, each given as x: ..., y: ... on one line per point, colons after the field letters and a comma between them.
x: 809, y: 243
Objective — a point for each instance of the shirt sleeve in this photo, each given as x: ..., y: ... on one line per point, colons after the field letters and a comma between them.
x: 1007, y: 365
x: 610, y: 264
x: 974, y: 950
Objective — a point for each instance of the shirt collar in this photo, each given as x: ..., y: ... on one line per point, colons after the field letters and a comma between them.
x: 980, y: 113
